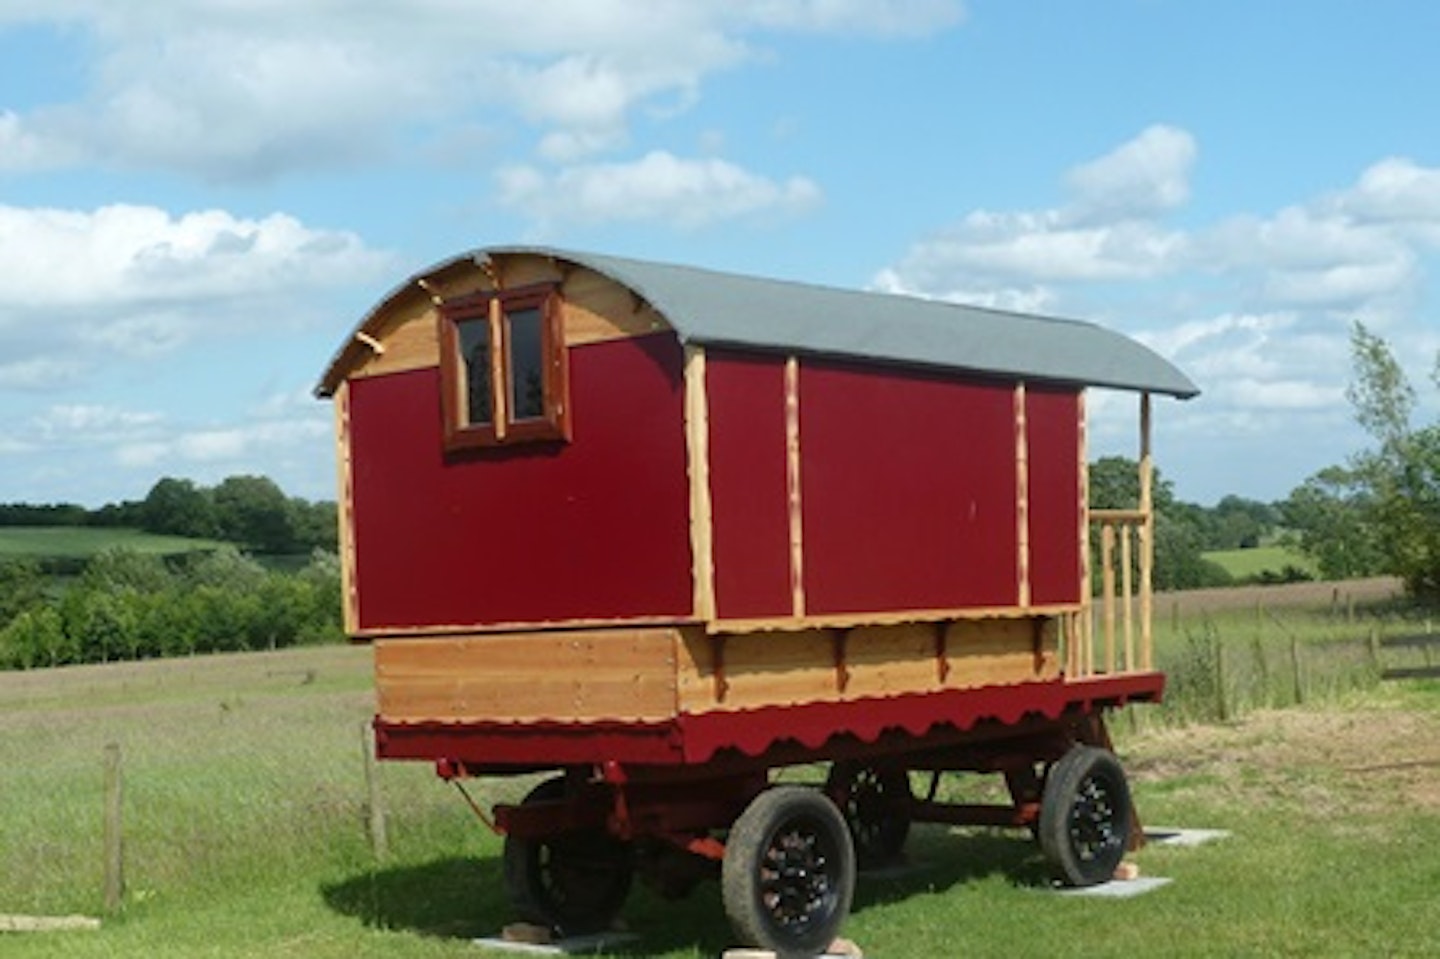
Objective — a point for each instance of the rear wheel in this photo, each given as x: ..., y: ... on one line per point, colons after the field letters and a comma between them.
x: 1085, y: 816
x: 789, y: 872
x: 573, y: 882
x: 874, y: 801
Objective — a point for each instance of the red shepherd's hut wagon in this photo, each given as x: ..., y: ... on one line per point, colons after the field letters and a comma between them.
x: 664, y: 530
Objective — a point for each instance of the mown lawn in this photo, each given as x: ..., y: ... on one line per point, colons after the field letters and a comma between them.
x: 1247, y: 564
x: 244, y: 785
x: 70, y: 542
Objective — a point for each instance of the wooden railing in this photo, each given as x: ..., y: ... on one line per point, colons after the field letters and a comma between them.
x: 1112, y: 631
x: 1115, y: 624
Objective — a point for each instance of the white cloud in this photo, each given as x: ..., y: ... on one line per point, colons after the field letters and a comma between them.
x: 658, y: 187
x: 125, y: 255
x: 1144, y: 177
x: 140, y: 282
x: 251, y: 90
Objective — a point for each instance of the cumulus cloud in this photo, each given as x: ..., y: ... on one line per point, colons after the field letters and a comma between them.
x: 1144, y: 177
x: 132, y: 255
x: 659, y: 186
x: 226, y: 91
x: 1255, y: 307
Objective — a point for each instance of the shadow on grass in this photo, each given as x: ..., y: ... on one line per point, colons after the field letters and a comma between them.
x: 464, y: 898
x: 449, y: 898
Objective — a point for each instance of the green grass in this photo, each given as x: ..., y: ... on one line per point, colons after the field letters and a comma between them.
x: 244, y: 801
x: 1245, y: 564
x: 81, y: 542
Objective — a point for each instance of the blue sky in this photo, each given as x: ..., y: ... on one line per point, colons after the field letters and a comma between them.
x: 199, y: 199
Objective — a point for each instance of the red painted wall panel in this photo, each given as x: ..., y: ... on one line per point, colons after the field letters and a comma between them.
x: 594, y: 529
x: 908, y: 487
x: 1052, y: 422
x: 751, y: 517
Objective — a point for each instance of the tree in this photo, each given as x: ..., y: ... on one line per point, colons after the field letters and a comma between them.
x: 252, y: 510
x: 179, y: 508
x: 1179, y: 541
x: 1397, y: 484
x: 22, y: 587
x: 1329, y: 518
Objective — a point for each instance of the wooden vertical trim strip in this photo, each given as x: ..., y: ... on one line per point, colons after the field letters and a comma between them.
x: 697, y: 452
x: 792, y: 486
x: 345, y: 483
x: 1080, y: 638
x: 499, y: 366
x: 1147, y: 535
x: 1022, y: 497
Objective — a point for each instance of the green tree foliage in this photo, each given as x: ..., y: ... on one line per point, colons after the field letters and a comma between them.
x: 1179, y: 527
x: 1382, y: 512
x: 1328, y: 519
x: 130, y: 606
x: 22, y: 587
x: 178, y: 507
x: 253, y: 511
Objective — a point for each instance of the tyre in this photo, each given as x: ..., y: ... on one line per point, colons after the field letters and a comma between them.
x: 873, y: 801
x: 573, y: 882
x: 789, y: 872
x: 1085, y: 816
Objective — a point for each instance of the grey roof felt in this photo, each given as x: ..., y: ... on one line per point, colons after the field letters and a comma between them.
x: 726, y: 309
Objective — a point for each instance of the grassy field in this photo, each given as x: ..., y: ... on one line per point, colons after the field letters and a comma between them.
x: 1243, y: 564
x: 79, y: 542
x: 244, y: 798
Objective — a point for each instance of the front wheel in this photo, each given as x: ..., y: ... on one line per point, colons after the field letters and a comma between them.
x: 789, y: 872
x: 573, y: 882
x: 1085, y: 816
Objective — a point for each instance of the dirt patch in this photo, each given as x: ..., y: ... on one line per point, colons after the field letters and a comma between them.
x: 1344, y: 764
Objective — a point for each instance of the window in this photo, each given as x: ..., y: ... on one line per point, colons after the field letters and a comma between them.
x: 502, y: 368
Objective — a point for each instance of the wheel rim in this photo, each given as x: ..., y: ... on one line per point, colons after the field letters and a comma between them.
x: 1093, y: 817
x: 868, y: 797
x: 582, y: 878
x: 797, y: 878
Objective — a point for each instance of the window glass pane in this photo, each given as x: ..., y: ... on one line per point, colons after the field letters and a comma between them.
x: 475, y: 350
x: 527, y: 364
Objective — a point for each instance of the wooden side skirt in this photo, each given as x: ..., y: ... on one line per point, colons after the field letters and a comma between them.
x: 771, y: 735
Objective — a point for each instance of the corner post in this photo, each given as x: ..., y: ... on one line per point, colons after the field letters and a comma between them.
x: 1147, y: 535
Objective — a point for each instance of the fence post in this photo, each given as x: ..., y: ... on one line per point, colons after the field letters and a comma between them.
x: 1262, y: 665
x: 1222, y: 707
x: 1374, y: 643
x: 114, y: 830
x: 1298, y: 670
x: 375, y: 802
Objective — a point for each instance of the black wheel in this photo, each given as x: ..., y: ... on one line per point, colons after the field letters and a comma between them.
x: 873, y: 800
x: 574, y: 882
x: 789, y: 872
x: 1085, y: 816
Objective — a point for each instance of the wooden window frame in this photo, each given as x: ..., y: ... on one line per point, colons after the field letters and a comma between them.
x: 495, y: 307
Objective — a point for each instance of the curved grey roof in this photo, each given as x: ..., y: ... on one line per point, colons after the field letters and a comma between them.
x: 726, y: 309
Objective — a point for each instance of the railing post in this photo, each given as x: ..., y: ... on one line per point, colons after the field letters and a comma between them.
x: 1107, y: 560
x: 1147, y: 535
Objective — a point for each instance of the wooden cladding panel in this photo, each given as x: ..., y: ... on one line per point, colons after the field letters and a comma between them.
x: 594, y: 529
x: 908, y: 486
x: 598, y: 309
x: 747, y: 477
x: 654, y: 673
x: 594, y: 309
x: 828, y: 665
x: 593, y: 675
x: 1053, y: 421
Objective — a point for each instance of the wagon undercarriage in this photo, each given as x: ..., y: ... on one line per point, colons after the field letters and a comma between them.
x: 786, y: 854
